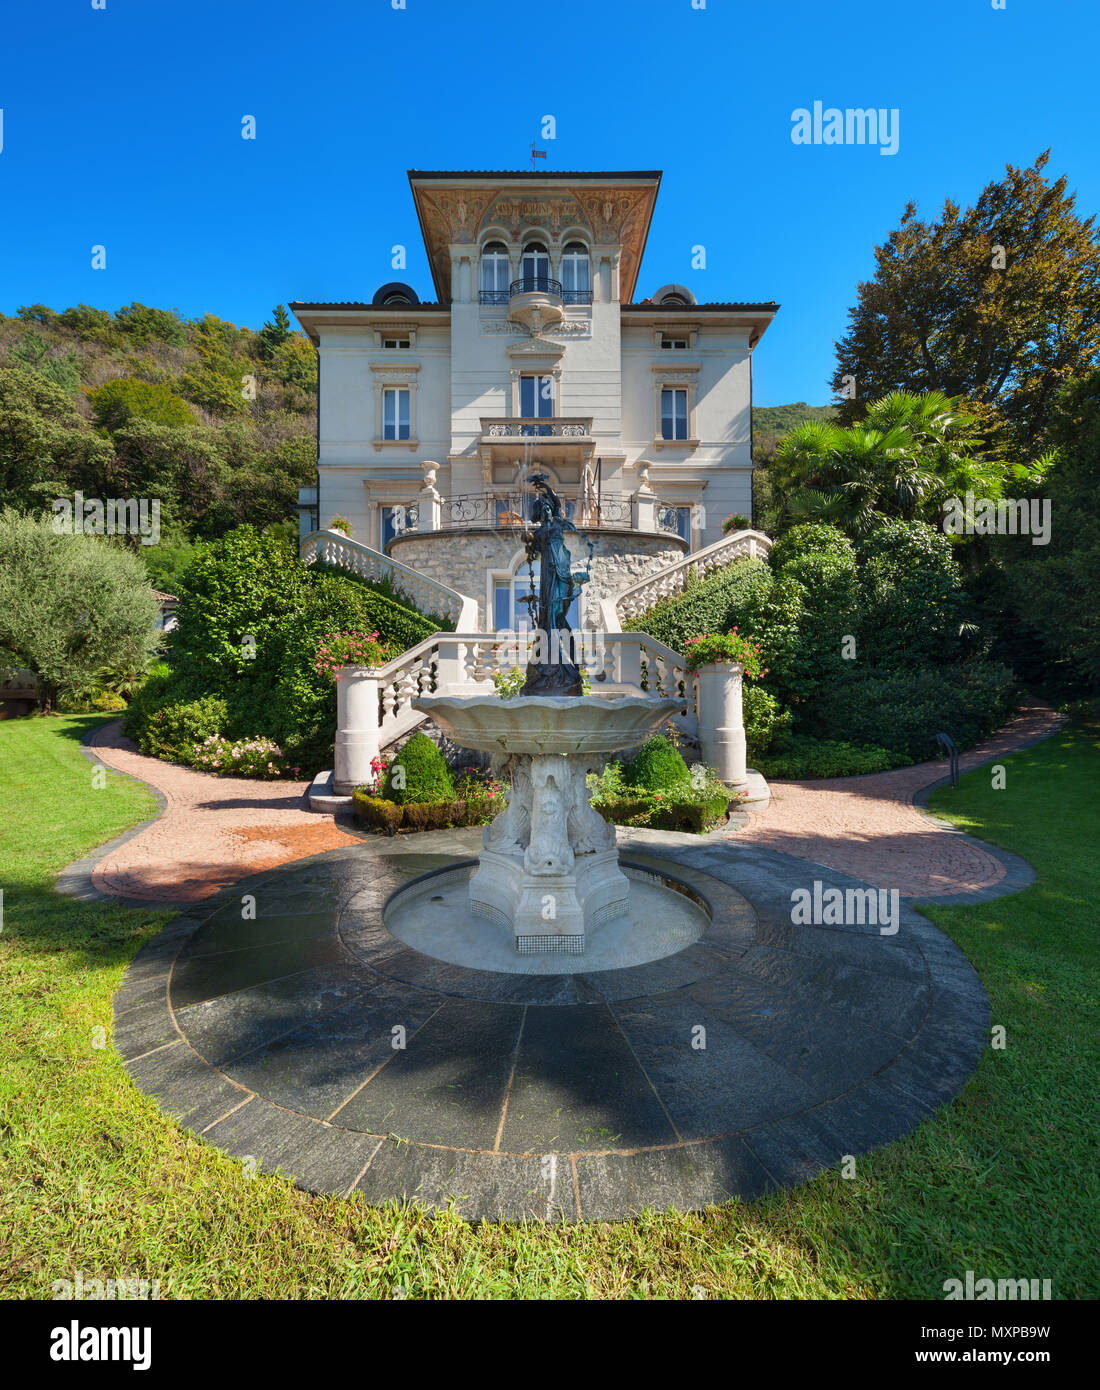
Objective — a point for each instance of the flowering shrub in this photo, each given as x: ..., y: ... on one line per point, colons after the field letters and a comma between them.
x: 247, y: 757
x: 471, y: 784
x: 337, y: 649
x: 509, y: 683
x: 378, y: 768
x: 725, y: 646
x: 736, y: 521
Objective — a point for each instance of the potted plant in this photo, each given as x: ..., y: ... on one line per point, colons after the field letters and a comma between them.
x: 719, y: 660
x: 353, y: 659
x: 736, y: 521
x: 339, y: 651
x: 725, y: 649
x: 342, y: 524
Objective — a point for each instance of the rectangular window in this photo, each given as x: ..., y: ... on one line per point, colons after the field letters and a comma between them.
x: 674, y: 414
x: 536, y: 401
x: 395, y: 342
x: 676, y: 344
x: 395, y: 412
x: 502, y: 607
x: 396, y: 521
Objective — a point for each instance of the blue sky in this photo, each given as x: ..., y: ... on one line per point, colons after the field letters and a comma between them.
x: 121, y: 128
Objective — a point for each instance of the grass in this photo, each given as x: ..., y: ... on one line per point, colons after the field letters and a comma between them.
x: 94, y: 1178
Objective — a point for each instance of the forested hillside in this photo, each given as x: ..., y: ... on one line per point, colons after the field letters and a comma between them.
x: 216, y: 421
x: 771, y: 422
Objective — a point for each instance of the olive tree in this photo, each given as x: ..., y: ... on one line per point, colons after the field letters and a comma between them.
x: 70, y: 605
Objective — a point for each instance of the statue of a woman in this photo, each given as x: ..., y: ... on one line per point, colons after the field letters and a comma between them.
x: 558, y: 583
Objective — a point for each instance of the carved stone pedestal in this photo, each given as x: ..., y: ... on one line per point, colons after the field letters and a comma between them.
x: 549, y: 869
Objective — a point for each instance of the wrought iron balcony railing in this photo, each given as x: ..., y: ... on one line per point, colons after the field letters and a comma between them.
x: 535, y: 284
x: 512, y: 509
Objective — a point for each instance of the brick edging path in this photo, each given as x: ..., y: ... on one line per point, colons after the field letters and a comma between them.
x: 871, y: 828
x: 212, y: 832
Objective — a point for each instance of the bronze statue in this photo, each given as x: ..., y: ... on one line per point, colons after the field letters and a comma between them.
x: 558, y: 585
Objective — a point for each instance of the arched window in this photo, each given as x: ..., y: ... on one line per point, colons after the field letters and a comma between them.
x: 495, y: 270
x: 575, y: 279
x: 535, y: 266
x: 395, y: 299
x: 673, y: 299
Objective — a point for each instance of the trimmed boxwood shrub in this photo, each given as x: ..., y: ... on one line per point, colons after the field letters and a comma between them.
x: 657, y: 767
x: 171, y: 730
x: 427, y: 778
x: 390, y: 816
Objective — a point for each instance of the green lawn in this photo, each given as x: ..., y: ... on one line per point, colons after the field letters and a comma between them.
x: 94, y: 1178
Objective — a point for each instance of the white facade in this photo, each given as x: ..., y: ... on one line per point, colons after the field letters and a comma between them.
x: 535, y: 357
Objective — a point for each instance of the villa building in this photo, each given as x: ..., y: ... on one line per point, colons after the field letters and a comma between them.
x: 535, y: 355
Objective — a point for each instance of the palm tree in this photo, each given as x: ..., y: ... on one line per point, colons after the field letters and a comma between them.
x: 910, y: 453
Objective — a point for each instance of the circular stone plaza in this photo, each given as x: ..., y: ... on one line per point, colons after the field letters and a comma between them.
x: 281, y: 1019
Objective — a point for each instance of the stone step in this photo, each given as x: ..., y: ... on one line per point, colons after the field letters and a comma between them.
x: 323, y: 798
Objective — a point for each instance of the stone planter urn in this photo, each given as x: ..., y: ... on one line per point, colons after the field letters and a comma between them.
x: 721, y: 723
x: 356, y: 727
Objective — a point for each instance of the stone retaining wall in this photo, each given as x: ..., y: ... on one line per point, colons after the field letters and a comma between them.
x: 460, y: 559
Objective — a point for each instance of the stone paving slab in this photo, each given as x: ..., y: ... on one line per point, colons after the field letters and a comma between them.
x: 545, y: 1098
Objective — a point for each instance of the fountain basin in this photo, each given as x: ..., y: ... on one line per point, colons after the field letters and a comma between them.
x: 549, y: 723
x: 548, y: 872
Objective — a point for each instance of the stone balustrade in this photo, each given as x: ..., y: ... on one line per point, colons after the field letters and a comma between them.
x: 428, y: 594
x: 375, y: 705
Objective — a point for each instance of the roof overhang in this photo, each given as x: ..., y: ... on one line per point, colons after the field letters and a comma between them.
x: 609, y: 207
x: 754, y: 317
x: 314, y: 317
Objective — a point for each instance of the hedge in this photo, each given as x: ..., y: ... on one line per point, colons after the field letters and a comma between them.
x: 253, y: 584
x: 390, y: 816
x: 714, y: 604
x: 903, y: 711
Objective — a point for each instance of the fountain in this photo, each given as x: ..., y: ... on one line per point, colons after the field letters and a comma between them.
x: 549, y: 868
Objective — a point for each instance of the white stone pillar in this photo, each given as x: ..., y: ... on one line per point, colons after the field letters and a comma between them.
x: 357, y: 732
x: 644, y: 503
x: 630, y: 663
x: 429, y: 503
x: 721, y: 725
x: 450, y: 669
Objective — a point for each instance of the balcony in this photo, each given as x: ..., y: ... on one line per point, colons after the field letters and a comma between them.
x: 562, y: 438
